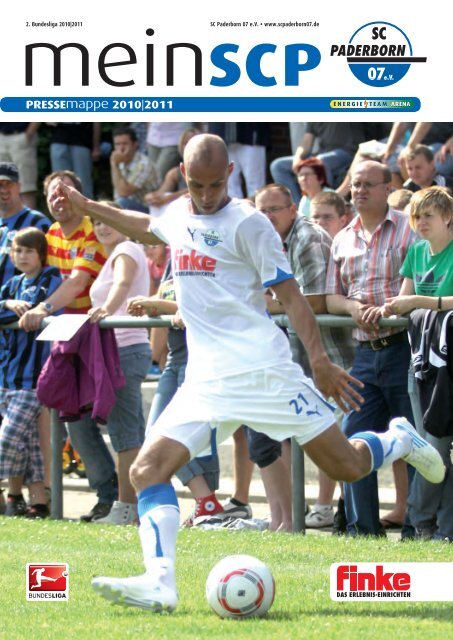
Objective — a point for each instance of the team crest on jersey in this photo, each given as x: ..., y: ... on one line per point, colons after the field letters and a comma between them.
x: 29, y: 291
x: 211, y: 237
x: 89, y: 255
x: 10, y: 235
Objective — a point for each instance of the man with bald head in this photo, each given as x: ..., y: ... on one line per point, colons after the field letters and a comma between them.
x: 224, y: 253
x: 364, y: 269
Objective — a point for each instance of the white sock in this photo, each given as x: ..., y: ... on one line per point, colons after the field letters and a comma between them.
x: 396, y: 445
x: 386, y: 447
x: 159, y: 523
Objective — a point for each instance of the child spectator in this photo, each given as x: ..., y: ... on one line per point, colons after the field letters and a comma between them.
x: 399, y: 199
x: 22, y: 358
x: 428, y: 284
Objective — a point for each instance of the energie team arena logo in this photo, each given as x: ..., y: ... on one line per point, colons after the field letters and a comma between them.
x: 379, y: 54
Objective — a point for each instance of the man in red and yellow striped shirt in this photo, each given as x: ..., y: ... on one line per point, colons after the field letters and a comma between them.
x: 73, y: 248
x: 77, y: 255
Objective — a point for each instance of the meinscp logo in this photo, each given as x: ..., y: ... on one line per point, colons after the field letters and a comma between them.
x: 47, y: 581
x: 403, y: 581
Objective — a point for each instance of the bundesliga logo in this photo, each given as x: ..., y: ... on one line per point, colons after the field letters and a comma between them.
x: 47, y: 581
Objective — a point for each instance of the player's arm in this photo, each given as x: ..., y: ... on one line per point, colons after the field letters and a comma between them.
x: 330, y: 379
x: 132, y: 224
x: 301, y: 317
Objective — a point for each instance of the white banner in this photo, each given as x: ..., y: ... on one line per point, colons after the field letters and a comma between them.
x: 224, y: 62
x: 392, y: 581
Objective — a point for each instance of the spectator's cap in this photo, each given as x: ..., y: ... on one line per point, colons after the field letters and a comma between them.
x: 9, y: 171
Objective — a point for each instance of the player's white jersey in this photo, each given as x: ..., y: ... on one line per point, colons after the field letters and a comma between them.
x: 222, y: 263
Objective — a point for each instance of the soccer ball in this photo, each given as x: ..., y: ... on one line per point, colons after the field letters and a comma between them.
x: 240, y: 586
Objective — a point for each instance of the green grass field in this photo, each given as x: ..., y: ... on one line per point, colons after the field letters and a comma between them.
x: 300, y: 564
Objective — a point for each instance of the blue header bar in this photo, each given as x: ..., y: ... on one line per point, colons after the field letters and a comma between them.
x: 51, y: 104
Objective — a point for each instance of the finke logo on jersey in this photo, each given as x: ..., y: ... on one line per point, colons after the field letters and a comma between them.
x: 48, y: 581
x: 194, y: 264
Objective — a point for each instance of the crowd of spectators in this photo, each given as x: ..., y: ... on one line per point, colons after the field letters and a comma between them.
x: 344, y: 207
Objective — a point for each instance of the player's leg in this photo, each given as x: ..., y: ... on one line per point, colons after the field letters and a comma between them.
x: 289, y: 400
x: 158, y: 511
x: 350, y: 460
x: 169, y: 448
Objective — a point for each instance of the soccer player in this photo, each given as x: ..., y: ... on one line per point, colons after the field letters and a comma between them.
x: 239, y: 371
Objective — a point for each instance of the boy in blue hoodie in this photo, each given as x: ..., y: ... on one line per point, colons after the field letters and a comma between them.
x: 21, y: 360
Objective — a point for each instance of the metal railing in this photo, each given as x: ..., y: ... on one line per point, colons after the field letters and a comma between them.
x: 297, y: 456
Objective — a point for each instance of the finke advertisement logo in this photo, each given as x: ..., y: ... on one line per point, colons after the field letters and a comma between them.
x: 401, y: 581
x: 47, y: 581
x: 350, y: 580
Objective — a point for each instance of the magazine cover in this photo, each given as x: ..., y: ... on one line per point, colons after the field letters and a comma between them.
x: 226, y: 238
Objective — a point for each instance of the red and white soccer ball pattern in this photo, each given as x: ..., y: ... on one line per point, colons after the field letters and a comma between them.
x: 240, y: 586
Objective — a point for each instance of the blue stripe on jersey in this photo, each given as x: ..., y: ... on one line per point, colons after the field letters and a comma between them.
x: 280, y: 277
x: 21, y: 356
